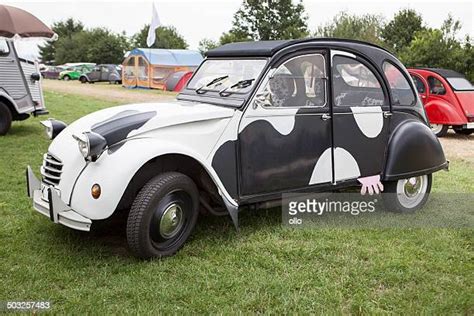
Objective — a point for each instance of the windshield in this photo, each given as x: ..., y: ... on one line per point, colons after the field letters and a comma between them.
x: 460, y: 83
x: 224, y: 74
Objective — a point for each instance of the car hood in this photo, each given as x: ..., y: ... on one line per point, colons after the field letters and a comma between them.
x: 121, y: 122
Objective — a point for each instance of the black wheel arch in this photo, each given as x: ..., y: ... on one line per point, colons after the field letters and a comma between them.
x: 11, y: 106
x: 413, y: 150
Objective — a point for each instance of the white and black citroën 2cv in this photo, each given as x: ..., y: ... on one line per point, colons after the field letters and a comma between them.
x: 256, y: 120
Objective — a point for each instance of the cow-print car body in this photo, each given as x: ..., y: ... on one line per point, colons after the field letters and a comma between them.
x: 256, y: 120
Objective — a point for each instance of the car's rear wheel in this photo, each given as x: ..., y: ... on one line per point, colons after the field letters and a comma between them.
x: 162, y: 216
x: 83, y: 79
x: 439, y: 130
x: 407, y: 195
x: 66, y: 78
x: 463, y: 131
x: 5, y: 119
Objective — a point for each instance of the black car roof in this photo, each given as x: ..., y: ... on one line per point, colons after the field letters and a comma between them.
x: 446, y: 73
x: 269, y: 48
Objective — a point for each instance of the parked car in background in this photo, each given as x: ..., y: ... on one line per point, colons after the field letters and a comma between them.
x: 448, y: 98
x: 52, y: 72
x: 73, y: 73
x: 20, y: 87
x: 103, y: 73
x: 178, y: 80
x: 256, y: 120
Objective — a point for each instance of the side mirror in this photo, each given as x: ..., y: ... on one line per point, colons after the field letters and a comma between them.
x: 35, y: 77
x: 263, y: 99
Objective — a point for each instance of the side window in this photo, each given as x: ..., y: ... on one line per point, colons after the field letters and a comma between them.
x: 142, y: 69
x: 402, y: 94
x: 4, y: 50
x: 436, y: 86
x: 354, y: 84
x: 420, y: 86
x: 298, y: 82
x: 130, y: 67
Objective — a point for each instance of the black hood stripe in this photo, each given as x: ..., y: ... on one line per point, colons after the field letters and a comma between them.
x: 117, y: 127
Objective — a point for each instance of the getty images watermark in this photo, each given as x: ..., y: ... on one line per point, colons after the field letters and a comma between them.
x: 298, y: 208
x: 352, y: 210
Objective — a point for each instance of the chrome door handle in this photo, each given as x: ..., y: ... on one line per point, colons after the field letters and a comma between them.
x: 325, y: 117
x: 387, y: 114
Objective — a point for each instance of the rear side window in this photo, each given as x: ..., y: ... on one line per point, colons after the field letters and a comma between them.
x: 420, y: 86
x: 4, y: 50
x: 436, y: 86
x: 402, y: 94
x: 354, y: 84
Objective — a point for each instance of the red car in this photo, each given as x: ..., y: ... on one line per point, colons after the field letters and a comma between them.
x: 448, y: 98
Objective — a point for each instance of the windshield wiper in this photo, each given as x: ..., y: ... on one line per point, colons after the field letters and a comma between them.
x: 242, y: 84
x: 201, y: 90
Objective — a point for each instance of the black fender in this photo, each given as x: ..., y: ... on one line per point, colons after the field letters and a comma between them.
x: 413, y: 150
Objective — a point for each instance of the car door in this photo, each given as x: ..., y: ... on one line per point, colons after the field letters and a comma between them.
x: 361, y: 115
x: 286, y: 129
x: 104, y: 73
x: 94, y: 75
x: 12, y: 80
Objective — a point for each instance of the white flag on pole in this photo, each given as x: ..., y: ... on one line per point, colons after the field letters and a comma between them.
x: 155, y: 23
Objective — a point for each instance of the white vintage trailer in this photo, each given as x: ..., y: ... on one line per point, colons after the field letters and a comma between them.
x: 21, y: 94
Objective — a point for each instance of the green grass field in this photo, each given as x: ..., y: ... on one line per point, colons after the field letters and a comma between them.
x: 264, y: 268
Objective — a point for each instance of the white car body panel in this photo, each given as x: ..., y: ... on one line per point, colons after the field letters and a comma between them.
x: 186, y: 128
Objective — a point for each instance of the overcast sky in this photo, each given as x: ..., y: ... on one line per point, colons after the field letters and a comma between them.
x: 209, y: 18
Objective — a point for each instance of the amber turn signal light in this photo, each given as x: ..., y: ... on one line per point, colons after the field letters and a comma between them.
x: 95, y: 191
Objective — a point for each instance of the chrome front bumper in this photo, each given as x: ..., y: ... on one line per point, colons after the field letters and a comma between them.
x: 54, y: 208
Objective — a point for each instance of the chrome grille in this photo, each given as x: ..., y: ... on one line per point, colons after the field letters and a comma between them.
x: 51, y: 169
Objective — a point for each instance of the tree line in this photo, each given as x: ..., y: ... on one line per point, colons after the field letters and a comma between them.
x: 406, y: 35
x: 100, y: 45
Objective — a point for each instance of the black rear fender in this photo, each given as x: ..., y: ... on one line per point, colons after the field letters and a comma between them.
x: 413, y: 150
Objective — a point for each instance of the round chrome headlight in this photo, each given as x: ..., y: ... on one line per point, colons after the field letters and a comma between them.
x: 84, y: 144
x: 53, y: 127
x: 91, y: 145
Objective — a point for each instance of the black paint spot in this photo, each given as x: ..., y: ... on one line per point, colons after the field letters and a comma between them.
x: 117, y: 128
x: 224, y: 164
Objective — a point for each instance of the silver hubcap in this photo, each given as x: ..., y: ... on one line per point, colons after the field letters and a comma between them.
x: 411, y: 191
x: 436, y: 128
x: 172, y: 221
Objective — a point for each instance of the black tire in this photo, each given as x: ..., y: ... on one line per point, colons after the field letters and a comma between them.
x: 466, y: 132
x: 393, y: 198
x: 167, y: 192
x: 66, y: 78
x: 441, y: 131
x: 5, y: 119
x: 83, y: 79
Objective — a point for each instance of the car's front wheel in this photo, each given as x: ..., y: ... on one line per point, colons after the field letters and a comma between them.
x: 162, y: 216
x: 83, y: 79
x: 439, y: 130
x: 66, y: 78
x: 407, y: 195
